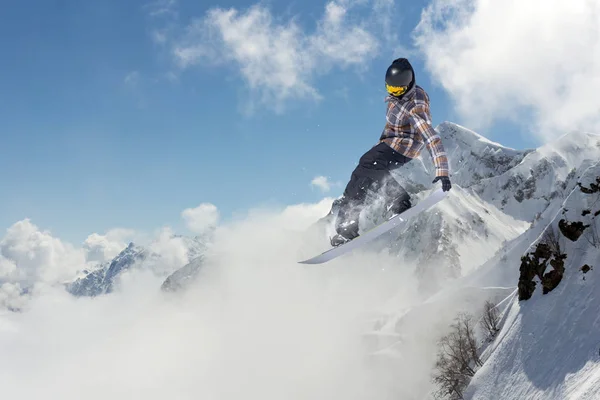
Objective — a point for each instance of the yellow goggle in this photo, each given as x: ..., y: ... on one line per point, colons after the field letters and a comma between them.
x: 396, y: 90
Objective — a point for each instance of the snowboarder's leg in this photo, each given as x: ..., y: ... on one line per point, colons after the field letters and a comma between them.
x: 396, y: 198
x: 351, y: 203
x: 372, y: 173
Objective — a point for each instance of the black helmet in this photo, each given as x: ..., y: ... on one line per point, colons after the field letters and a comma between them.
x: 399, y: 77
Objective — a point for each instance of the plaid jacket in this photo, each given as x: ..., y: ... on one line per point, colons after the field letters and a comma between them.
x: 408, y: 128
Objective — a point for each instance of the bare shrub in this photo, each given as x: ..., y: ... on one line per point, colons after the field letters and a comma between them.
x: 457, y: 359
x: 491, y: 318
x: 592, y: 236
x: 550, y: 238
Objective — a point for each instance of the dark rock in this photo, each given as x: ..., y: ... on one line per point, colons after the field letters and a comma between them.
x: 551, y: 280
x: 572, y: 230
x: 535, y: 264
x: 594, y: 187
x: 585, y: 269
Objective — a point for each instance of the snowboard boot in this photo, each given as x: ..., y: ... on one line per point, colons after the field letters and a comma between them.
x: 398, y: 206
x: 345, y: 233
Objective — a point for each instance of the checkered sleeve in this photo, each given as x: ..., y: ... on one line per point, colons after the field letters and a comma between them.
x: 420, y: 119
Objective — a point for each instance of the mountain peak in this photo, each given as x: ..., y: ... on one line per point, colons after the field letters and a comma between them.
x: 472, y: 158
x: 465, y: 135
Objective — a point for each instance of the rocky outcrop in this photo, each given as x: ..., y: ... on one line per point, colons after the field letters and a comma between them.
x: 572, y: 230
x: 594, y: 187
x: 572, y: 224
x: 534, y: 264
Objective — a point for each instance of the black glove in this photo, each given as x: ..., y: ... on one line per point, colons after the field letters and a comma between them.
x: 445, y: 182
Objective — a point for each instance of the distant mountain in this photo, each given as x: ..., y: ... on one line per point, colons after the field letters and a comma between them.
x: 184, y: 276
x: 103, y: 279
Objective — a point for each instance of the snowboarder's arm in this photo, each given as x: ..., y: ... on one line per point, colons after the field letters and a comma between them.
x: 420, y: 120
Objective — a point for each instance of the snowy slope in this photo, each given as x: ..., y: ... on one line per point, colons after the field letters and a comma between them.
x: 515, y: 206
x: 412, y: 334
x: 548, y: 346
x: 521, y: 183
x: 455, y: 238
x: 446, y: 242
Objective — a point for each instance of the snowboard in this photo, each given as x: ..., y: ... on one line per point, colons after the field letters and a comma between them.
x: 373, y: 233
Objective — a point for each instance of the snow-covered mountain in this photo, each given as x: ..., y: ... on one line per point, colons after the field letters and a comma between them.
x: 498, y: 195
x: 543, y: 178
x: 472, y: 159
x: 547, y: 346
x: 184, y: 276
x: 463, y: 233
x: 103, y: 279
x: 547, y: 296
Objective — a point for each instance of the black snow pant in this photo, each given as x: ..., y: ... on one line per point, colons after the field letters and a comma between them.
x: 372, y: 173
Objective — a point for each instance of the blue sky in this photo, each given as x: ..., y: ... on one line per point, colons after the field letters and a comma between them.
x: 122, y: 114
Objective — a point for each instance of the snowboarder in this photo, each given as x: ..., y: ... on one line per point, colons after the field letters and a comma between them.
x: 407, y: 130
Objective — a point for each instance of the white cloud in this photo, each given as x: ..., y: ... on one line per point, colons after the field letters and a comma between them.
x: 38, y: 256
x: 101, y: 248
x: 7, y: 267
x: 159, y: 37
x: 535, y: 61
x: 11, y: 296
x: 253, y: 309
x: 132, y: 78
x: 321, y: 182
x: 277, y: 60
x: 302, y: 216
x: 340, y: 41
x: 172, y: 250
x: 201, y: 218
x: 162, y: 8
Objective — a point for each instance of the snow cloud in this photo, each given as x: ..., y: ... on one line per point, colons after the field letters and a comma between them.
x: 30, y: 254
x: 276, y: 58
x: 321, y: 182
x: 101, y: 248
x: 535, y: 61
x: 201, y: 218
x: 12, y: 297
x: 172, y: 250
x: 7, y: 267
x: 300, y: 331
